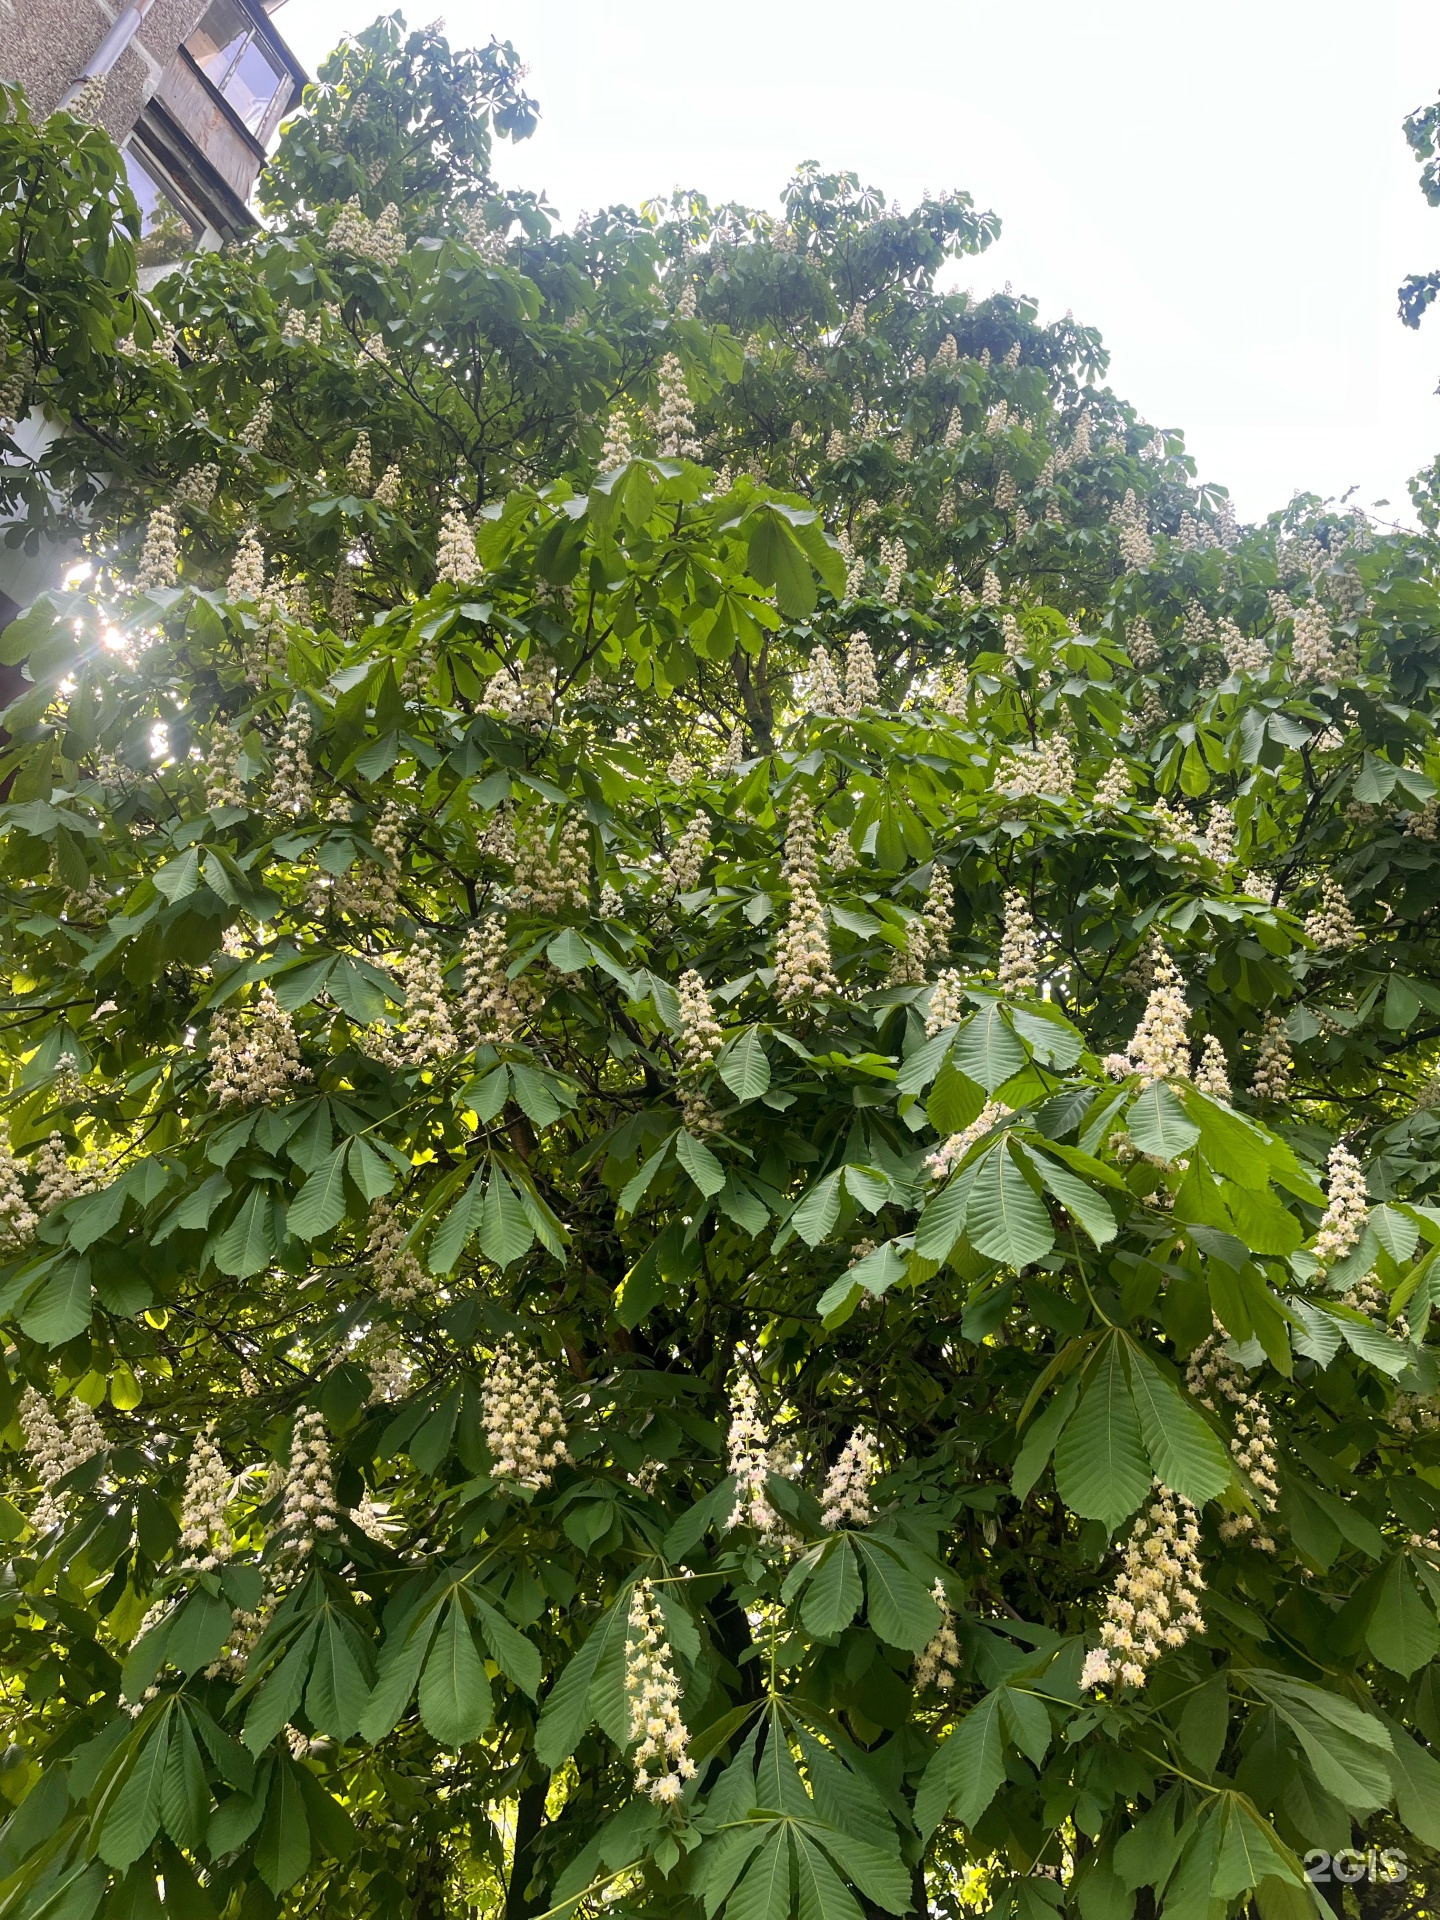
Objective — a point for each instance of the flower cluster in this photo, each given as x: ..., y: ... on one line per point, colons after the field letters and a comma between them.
x: 674, y: 420
x: 947, y: 1003
x: 522, y: 695
x: 1127, y: 517
x: 1212, y: 1072
x: 1312, y: 654
x: 662, y: 1759
x: 1212, y: 1372
x: 160, y: 555
x: 845, y: 1498
x: 257, y: 429
x: 490, y: 1003
x: 307, y: 1504
x: 803, y: 969
x: 1220, y: 835
x: 1332, y: 925
x: 455, y: 557
x: 894, y: 559
x: 824, y: 693
x: 56, y: 1180
x: 357, y: 467
x: 939, y: 1660
x: 1025, y: 772
x: 552, y: 871
x: 1347, y: 1208
x: 53, y: 1451
x: 387, y: 487
x: 1274, y: 1062
x: 247, y: 571
x: 862, y: 687
x: 429, y: 1034
x: 18, y: 1220
x: 1115, y: 785
x: 1160, y: 1050
x: 1154, y: 1603
x: 205, y: 1536
x: 520, y: 1412
x: 700, y: 1035
x: 1019, y: 969
x: 397, y: 1275
x: 291, y: 790
x: 688, y: 859
x: 1244, y: 652
x: 748, y: 1450
x: 254, y: 1062
x: 618, y: 450
x: 951, y: 1151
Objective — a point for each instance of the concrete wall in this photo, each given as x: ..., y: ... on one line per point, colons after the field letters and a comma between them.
x: 45, y: 43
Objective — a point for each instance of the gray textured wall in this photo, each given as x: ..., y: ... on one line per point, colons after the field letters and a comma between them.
x: 45, y: 43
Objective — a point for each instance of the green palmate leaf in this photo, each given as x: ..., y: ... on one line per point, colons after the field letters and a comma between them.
x: 966, y: 1771
x: 1347, y: 1749
x: 743, y: 1066
x: 821, y: 1893
x: 833, y: 1595
x: 1158, y: 1124
x: 700, y: 1163
x: 764, y: 1891
x: 1101, y: 1470
x: 400, y: 1663
x: 1005, y: 1218
x: 1082, y: 1202
x: 1040, y: 1438
x: 459, y: 1224
x: 512, y: 1652
x: 338, y: 1692
x: 566, y: 1711
x: 250, y: 1242
x: 1401, y: 1632
x: 282, y: 1846
x: 134, y: 1816
x: 900, y: 1607
x: 1416, y: 1775
x: 455, y: 1699
x: 320, y: 1203
x: 987, y: 1049
x: 505, y: 1229
x: 184, y: 1796
x: 815, y: 1217
x: 1186, y: 1454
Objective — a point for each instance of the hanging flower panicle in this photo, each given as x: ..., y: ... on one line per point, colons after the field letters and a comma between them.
x: 429, y: 1033
x: 520, y: 1412
x: 1212, y: 1073
x: 862, y: 686
x: 688, y: 859
x: 1212, y: 1374
x: 947, y: 1003
x: 1274, y: 1063
x: 395, y: 1272
x: 674, y: 420
x: 247, y: 573
x: 292, y: 789
x: 951, y: 1151
x: 1347, y: 1208
x: 1160, y: 1049
x: 662, y: 1757
x: 939, y: 1659
x: 803, y: 969
x: 254, y: 1059
x: 1115, y: 786
x: 55, y: 1449
x: 56, y: 1179
x: 552, y: 876
x: 455, y: 558
x: 205, y: 1536
x: 748, y: 1455
x: 1019, y: 968
x: 1154, y: 1603
x: 307, y: 1505
x: 618, y: 450
x: 823, y: 690
x: 491, y: 1007
x: 160, y: 555
x: 18, y: 1219
x: 845, y: 1498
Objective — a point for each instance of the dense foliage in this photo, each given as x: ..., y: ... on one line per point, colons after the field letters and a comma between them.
x: 719, y: 1027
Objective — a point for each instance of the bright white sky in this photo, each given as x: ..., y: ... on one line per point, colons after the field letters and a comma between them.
x: 1224, y: 191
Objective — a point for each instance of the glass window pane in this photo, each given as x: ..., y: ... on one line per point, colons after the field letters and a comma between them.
x: 219, y: 37
x: 252, y: 85
x: 166, y: 234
